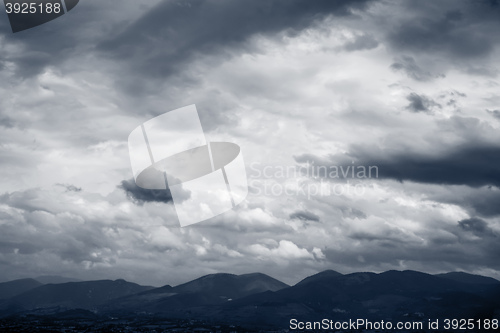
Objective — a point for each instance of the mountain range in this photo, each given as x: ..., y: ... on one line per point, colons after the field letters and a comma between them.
x: 258, y: 300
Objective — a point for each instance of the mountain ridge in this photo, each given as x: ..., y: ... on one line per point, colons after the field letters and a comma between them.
x: 259, y: 298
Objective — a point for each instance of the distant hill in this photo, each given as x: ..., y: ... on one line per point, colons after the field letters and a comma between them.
x: 16, y: 287
x: 469, y: 278
x: 140, y: 300
x: 230, y: 285
x: 71, y: 295
x: 208, y: 289
x: 396, y: 295
x: 322, y: 276
x: 46, y: 279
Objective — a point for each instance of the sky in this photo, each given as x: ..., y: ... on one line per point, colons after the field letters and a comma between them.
x: 409, y: 90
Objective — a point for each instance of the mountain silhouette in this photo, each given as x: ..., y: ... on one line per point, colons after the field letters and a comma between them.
x: 257, y: 300
x: 388, y: 295
x: 71, y: 295
x: 468, y: 278
x: 231, y: 286
x: 206, y: 290
x: 46, y: 279
x: 322, y: 276
x: 16, y: 287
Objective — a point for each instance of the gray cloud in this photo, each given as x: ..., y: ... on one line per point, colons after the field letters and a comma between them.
x: 477, y: 226
x: 352, y: 212
x: 198, y: 28
x: 494, y: 113
x: 438, y: 254
x: 140, y: 195
x: 474, y: 166
x: 453, y: 33
x: 67, y: 37
x: 71, y: 188
x: 482, y: 71
x: 446, y: 247
x: 362, y: 42
x: 305, y: 216
x: 482, y: 201
x: 420, y: 103
x: 471, y: 165
x: 412, y: 70
x: 7, y: 122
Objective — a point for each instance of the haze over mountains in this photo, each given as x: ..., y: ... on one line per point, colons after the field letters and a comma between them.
x: 257, y: 299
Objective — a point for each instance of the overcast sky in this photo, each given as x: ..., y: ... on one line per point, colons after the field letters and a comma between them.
x: 411, y: 87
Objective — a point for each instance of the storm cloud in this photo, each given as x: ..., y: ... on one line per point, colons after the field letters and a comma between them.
x: 477, y: 226
x: 203, y: 27
x: 450, y: 32
x: 140, y: 195
x: 472, y: 166
x: 420, y: 103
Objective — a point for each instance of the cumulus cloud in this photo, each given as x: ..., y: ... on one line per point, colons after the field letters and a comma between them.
x: 286, y: 250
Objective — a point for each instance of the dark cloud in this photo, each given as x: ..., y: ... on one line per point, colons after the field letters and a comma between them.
x: 43, y: 46
x: 351, y: 212
x: 477, y: 226
x: 7, y: 122
x: 140, y: 195
x: 481, y: 71
x: 470, y: 165
x: 195, y: 28
x: 420, y: 103
x: 473, y: 166
x: 304, y: 216
x: 481, y: 201
x: 363, y: 42
x: 408, y: 65
x: 70, y: 188
x: 485, y: 203
x: 389, y: 236
x: 19, y: 247
x: 453, y: 32
x: 494, y: 113
x: 63, y: 39
x: 469, y: 168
